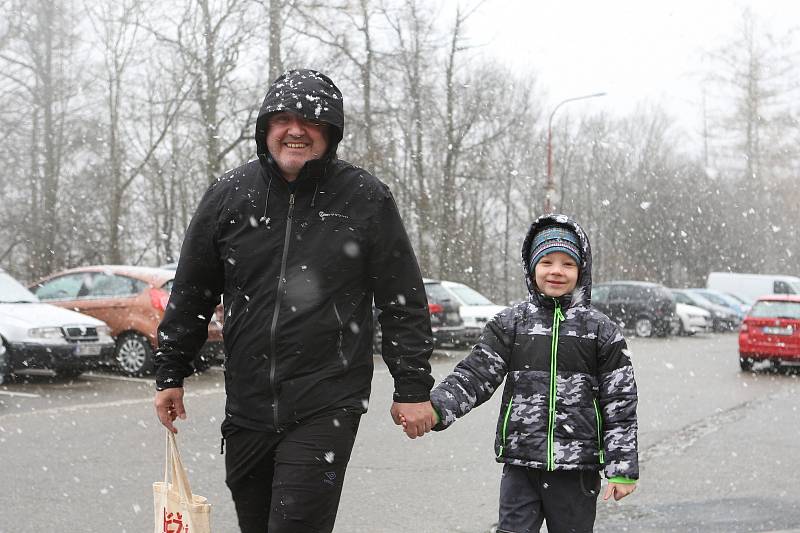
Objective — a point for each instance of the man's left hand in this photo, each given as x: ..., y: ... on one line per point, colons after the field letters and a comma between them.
x: 416, y: 418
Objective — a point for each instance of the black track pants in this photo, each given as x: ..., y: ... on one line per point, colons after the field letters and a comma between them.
x: 567, y: 500
x: 290, y: 482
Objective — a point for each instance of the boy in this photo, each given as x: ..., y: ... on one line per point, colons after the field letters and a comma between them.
x: 569, y: 403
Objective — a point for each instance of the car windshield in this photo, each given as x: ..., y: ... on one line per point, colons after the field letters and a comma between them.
x: 715, y: 298
x: 736, y: 298
x: 468, y: 295
x: 437, y: 293
x: 773, y: 309
x: 12, y: 291
x: 697, y: 299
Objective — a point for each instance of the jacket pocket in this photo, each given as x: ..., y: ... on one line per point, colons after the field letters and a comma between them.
x: 590, y: 483
x: 599, y: 419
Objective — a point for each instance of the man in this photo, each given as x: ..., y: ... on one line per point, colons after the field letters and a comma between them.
x: 299, y: 242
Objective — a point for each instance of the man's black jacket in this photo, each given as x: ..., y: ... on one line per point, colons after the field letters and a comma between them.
x: 299, y: 265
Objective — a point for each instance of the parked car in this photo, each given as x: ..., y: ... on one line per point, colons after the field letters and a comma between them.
x: 771, y: 332
x: 475, y: 308
x: 39, y: 335
x: 647, y: 308
x: 750, y: 286
x: 724, y: 318
x: 446, y: 323
x: 131, y: 300
x: 691, y: 320
x: 734, y: 303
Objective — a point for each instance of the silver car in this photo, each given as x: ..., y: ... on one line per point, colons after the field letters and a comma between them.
x: 39, y: 335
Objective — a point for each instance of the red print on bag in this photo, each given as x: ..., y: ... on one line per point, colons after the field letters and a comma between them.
x: 173, y: 523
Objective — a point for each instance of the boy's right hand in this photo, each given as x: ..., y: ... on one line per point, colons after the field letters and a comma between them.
x: 431, y: 419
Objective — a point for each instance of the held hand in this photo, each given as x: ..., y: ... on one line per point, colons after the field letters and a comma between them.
x: 416, y: 418
x: 618, y: 490
x: 169, y: 406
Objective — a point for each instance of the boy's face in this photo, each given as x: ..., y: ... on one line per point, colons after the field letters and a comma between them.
x: 556, y: 274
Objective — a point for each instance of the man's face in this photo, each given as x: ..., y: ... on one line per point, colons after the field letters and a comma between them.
x: 292, y: 141
x: 556, y: 274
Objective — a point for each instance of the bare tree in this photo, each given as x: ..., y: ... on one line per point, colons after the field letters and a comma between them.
x: 36, y: 63
x: 117, y: 25
x: 209, y: 38
x: 411, y: 26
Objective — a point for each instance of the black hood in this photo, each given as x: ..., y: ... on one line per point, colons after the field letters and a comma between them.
x: 308, y: 93
x: 582, y: 295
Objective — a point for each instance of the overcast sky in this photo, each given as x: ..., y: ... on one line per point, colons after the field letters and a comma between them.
x: 636, y: 51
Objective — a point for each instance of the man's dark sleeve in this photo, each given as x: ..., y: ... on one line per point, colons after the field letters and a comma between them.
x: 400, y: 296
x: 199, y: 281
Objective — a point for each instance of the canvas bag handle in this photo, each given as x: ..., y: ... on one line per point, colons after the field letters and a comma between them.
x: 174, y: 466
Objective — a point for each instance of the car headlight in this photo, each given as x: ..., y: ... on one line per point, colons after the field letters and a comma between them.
x: 46, y: 333
x: 103, y: 331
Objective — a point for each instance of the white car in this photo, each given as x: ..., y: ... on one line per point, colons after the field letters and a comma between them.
x: 39, y: 335
x: 475, y: 308
x: 691, y: 320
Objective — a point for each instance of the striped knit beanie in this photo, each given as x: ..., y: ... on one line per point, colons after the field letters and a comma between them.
x: 555, y: 239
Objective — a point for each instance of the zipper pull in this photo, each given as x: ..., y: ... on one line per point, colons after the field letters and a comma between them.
x: 558, y: 313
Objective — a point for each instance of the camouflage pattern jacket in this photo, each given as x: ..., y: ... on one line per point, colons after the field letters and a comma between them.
x: 570, y: 397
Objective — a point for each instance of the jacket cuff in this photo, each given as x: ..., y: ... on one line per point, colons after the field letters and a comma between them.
x: 623, y: 480
x: 168, y: 383
x: 412, y: 397
x: 439, y: 426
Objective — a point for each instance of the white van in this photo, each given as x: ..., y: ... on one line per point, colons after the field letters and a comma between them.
x: 750, y: 286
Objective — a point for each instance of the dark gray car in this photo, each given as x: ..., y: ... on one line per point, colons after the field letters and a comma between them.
x: 646, y: 308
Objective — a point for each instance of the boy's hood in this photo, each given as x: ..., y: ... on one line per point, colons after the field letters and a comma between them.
x: 582, y: 295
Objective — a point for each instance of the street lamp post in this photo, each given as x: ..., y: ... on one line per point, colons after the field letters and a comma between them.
x: 550, y: 186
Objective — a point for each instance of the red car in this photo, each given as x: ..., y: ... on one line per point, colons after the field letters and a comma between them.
x: 131, y: 300
x: 771, y: 332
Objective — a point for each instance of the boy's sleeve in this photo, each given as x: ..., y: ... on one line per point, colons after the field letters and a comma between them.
x: 478, y: 375
x: 618, y: 400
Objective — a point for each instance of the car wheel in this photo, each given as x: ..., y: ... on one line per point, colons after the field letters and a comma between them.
x: 677, y: 329
x: 68, y: 373
x: 134, y: 354
x: 746, y: 364
x: 644, y: 327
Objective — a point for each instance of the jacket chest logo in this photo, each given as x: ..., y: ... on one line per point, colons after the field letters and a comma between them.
x: 323, y: 215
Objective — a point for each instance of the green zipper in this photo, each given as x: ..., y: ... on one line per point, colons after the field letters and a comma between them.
x: 505, y: 425
x: 599, y: 431
x: 558, y: 317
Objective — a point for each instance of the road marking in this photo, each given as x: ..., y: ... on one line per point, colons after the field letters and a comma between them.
x: 104, y: 405
x: 23, y: 394
x: 118, y: 378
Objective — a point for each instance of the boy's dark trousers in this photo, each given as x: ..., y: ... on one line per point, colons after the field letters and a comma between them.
x: 566, y: 499
x: 290, y: 482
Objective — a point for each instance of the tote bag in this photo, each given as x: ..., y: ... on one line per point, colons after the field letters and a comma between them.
x: 177, y: 510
